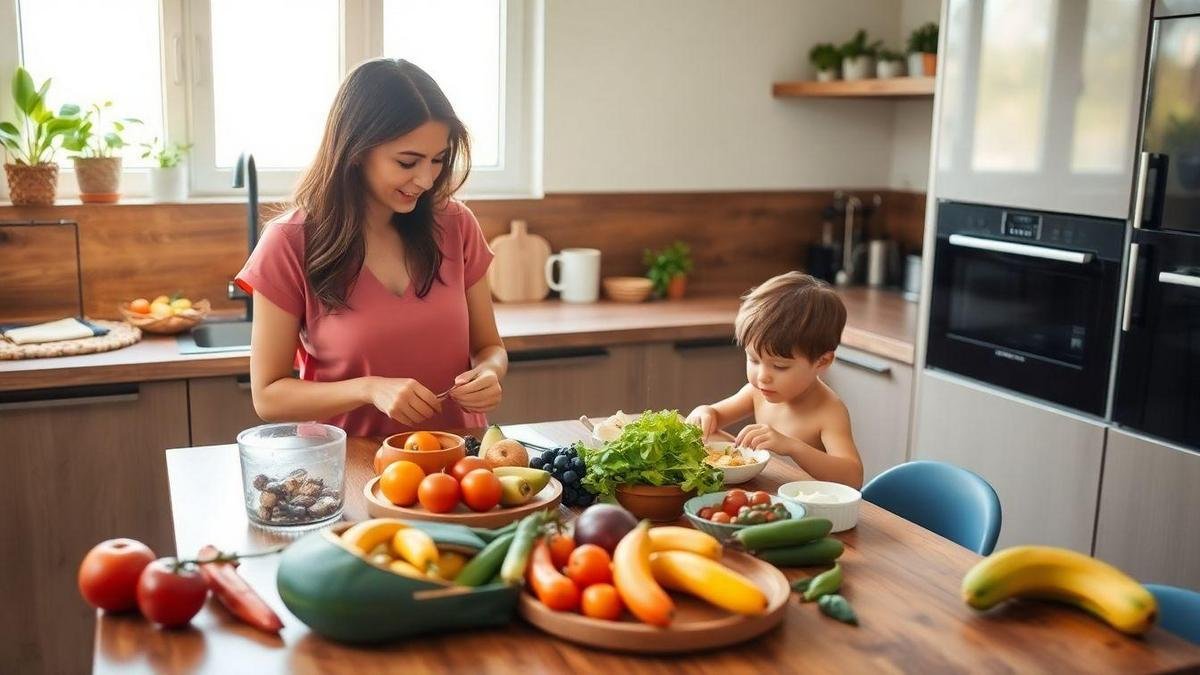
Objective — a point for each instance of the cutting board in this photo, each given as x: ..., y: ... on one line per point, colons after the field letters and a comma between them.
x: 518, y: 272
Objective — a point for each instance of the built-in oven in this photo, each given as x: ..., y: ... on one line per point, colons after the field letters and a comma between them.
x: 1026, y: 300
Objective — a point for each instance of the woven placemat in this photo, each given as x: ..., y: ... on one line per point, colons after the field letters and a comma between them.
x: 120, y: 334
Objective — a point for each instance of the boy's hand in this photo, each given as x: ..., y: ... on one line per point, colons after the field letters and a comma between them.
x: 762, y: 436
x: 704, y: 417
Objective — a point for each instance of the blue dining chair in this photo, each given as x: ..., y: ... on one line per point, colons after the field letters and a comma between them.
x: 1178, y: 610
x: 943, y: 498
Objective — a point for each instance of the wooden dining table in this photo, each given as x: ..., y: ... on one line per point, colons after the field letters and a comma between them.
x: 903, y: 581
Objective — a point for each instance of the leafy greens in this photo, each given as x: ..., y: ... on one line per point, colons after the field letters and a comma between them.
x: 659, y: 448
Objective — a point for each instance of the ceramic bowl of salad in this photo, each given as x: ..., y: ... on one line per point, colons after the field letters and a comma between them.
x: 823, y: 499
x: 738, y: 464
x: 721, y: 513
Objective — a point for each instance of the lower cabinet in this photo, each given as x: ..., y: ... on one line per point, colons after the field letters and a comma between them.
x: 682, y: 375
x: 562, y: 384
x: 82, y: 465
x: 220, y: 408
x: 1149, y: 510
x: 878, y: 394
x: 1044, y: 464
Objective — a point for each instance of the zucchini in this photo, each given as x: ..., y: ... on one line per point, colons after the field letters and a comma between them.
x: 783, y: 533
x: 819, y: 552
x: 512, y: 570
x: 480, y: 569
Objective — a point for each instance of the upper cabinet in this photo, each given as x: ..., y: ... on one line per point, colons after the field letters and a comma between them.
x: 1039, y: 103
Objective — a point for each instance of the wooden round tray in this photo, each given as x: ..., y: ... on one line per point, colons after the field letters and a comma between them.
x: 379, y: 507
x: 697, y: 625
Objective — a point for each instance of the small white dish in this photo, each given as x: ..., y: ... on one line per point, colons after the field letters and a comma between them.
x: 842, y: 511
x: 736, y: 475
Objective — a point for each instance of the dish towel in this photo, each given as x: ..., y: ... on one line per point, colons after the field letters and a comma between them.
x: 54, y: 331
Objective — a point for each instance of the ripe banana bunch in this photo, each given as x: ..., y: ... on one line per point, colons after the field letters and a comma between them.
x: 1049, y: 573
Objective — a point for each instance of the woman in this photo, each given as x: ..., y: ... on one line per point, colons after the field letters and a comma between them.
x: 375, y: 283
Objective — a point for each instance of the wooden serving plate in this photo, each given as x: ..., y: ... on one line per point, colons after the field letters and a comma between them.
x: 379, y: 507
x: 697, y: 625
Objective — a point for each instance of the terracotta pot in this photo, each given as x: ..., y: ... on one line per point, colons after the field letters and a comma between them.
x: 660, y: 504
x: 677, y: 287
x: 99, y: 179
x: 929, y: 64
x: 32, y: 185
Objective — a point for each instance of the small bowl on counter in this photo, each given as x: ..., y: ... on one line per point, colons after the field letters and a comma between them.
x: 657, y: 503
x: 293, y: 475
x: 749, y: 462
x: 823, y: 499
x: 627, y: 289
x: 173, y: 324
x: 430, y: 461
x: 724, y: 531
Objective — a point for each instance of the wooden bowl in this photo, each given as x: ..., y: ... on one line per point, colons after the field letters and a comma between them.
x: 430, y: 461
x: 660, y: 504
x: 628, y: 289
x: 378, y: 506
x: 167, y: 325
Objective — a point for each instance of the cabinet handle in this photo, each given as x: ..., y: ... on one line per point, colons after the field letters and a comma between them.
x: 563, y: 357
x: 1177, y: 279
x: 703, y: 343
x: 1139, y: 195
x: 243, y: 381
x: 68, y: 396
x: 863, y: 361
x: 1130, y: 280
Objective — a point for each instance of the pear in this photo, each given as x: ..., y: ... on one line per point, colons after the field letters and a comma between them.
x: 514, y: 491
x: 490, y: 437
x: 537, y: 478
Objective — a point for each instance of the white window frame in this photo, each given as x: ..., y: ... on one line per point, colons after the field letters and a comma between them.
x: 185, y: 41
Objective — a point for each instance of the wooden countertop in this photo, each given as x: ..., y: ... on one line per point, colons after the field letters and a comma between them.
x: 879, y: 322
x: 902, y: 580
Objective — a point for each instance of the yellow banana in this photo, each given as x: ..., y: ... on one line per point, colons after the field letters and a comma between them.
x: 416, y: 547
x: 673, y: 538
x: 1050, y: 573
x: 365, y: 536
x: 708, y: 580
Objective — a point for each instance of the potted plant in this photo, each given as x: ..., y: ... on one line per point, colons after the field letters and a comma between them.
x: 826, y: 58
x: 889, y: 64
x: 922, y: 51
x: 858, y: 57
x: 97, y: 167
x: 29, y: 142
x: 668, y: 269
x: 168, y: 179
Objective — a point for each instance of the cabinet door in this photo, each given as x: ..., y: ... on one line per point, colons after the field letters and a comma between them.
x: 683, y: 375
x: 86, y: 465
x: 1043, y: 463
x: 563, y: 384
x: 221, y: 407
x: 878, y: 394
x: 1148, y: 510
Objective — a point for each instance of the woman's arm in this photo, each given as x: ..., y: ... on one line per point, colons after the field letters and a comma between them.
x: 478, y: 389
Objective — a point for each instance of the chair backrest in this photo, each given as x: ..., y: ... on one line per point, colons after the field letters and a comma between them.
x: 1178, y: 610
x: 943, y: 498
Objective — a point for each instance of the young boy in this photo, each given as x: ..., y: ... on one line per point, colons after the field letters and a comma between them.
x: 790, y: 327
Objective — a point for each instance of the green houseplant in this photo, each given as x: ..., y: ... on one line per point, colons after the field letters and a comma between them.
x: 29, y: 142
x: 97, y: 162
x: 168, y: 179
x: 889, y: 64
x: 668, y: 269
x: 826, y: 58
x: 922, y: 50
x: 858, y: 57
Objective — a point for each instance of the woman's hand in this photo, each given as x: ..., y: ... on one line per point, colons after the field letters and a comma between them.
x: 705, y: 417
x: 403, y: 399
x: 763, y: 436
x: 477, y: 390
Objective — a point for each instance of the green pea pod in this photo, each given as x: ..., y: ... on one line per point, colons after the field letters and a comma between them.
x: 512, y: 571
x: 480, y: 569
x: 819, y: 552
x: 825, y: 583
x: 839, y: 608
x: 800, y: 585
x: 780, y: 533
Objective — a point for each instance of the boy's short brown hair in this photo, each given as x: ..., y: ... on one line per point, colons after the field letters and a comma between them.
x: 791, y: 315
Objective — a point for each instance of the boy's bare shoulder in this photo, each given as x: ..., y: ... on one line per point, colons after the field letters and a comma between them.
x: 829, y: 408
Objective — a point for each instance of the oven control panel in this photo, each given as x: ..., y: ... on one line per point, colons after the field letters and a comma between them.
x: 1101, y: 236
x: 1021, y: 225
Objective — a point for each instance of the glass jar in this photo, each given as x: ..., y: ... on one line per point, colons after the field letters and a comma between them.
x: 293, y: 474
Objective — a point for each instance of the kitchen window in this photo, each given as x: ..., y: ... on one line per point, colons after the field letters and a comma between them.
x: 234, y: 76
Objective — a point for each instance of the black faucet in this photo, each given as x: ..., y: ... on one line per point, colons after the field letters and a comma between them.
x: 245, y: 175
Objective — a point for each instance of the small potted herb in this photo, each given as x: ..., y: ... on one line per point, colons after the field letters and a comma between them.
x: 668, y: 269
x: 858, y: 57
x: 97, y: 166
x: 922, y: 51
x: 889, y: 64
x: 826, y: 58
x: 168, y: 178
x: 29, y: 142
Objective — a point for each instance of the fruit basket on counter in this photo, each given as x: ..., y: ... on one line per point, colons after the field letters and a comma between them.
x: 165, y: 315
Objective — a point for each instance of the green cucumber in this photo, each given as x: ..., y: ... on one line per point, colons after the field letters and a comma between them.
x: 819, y: 552
x: 783, y: 533
x: 480, y: 569
x: 491, y: 535
x: 825, y: 583
x: 512, y: 571
x: 839, y: 608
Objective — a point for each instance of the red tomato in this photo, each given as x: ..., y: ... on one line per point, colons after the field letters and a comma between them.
x: 589, y: 564
x: 480, y: 489
x: 561, y: 546
x: 706, y: 512
x: 734, y: 500
x: 108, y: 575
x: 466, y: 465
x: 759, y: 497
x: 168, y: 596
x: 438, y: 492
x: 721, y: 517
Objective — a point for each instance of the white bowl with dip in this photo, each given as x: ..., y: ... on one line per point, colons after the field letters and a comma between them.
x: 822, y: 499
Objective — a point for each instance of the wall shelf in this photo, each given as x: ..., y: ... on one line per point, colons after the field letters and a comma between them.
x: 896, y: 87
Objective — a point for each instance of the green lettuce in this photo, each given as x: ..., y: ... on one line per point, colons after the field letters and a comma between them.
x: 658, y: 448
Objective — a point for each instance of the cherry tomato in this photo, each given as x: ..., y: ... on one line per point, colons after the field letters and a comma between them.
x: 561, y: 546
x: 601, y: 601
x: 589, y: 564
x: 168, y: 596
x: 721, y: 517
x: 108, y: 575
x: 706, y: 512
x: 480, y: 489
x: 438, y: 492
x: 759, y: 498
x: 734, y: 500
x: 466, y: 465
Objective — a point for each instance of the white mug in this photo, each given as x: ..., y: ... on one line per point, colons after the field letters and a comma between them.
x: 579, y: 270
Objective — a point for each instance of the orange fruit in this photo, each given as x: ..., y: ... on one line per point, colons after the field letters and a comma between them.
x: 423, y: 441
x: 601, y: 601
x: 400, y: 481
x: 588, y: 565
x: 141, y: 306
x: 438, y: 492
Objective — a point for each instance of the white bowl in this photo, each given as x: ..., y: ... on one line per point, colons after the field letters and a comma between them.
x: 843, y: 513
x: 736, y: 475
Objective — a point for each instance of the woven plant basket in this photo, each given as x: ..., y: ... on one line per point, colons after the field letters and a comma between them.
x: 99, y: 179
x: 169, y: 325
x: 35, y: 185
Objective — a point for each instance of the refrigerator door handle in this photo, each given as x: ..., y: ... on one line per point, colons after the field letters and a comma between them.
x: 1044, y: 252
x: 1176, y: 279
x: 1139, y: 194
x: 1130, y: 280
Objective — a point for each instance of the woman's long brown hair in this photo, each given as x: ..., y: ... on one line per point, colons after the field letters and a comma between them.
x: 380, y: 100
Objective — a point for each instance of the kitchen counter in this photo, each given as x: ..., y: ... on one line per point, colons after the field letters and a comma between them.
x: 878, y: 322
x: 903, y: 581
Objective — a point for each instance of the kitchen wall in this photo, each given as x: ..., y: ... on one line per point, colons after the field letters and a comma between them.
x: 912, y: 124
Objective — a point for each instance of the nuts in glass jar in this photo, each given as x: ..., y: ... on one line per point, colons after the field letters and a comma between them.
x: 294, y: 499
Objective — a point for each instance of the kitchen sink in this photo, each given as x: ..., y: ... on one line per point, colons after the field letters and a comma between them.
x: 216, y: 337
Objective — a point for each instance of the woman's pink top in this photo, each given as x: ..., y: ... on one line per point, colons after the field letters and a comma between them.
x: 384, y: 334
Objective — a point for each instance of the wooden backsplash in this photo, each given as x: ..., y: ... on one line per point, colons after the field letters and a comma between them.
x: 737, y: 239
